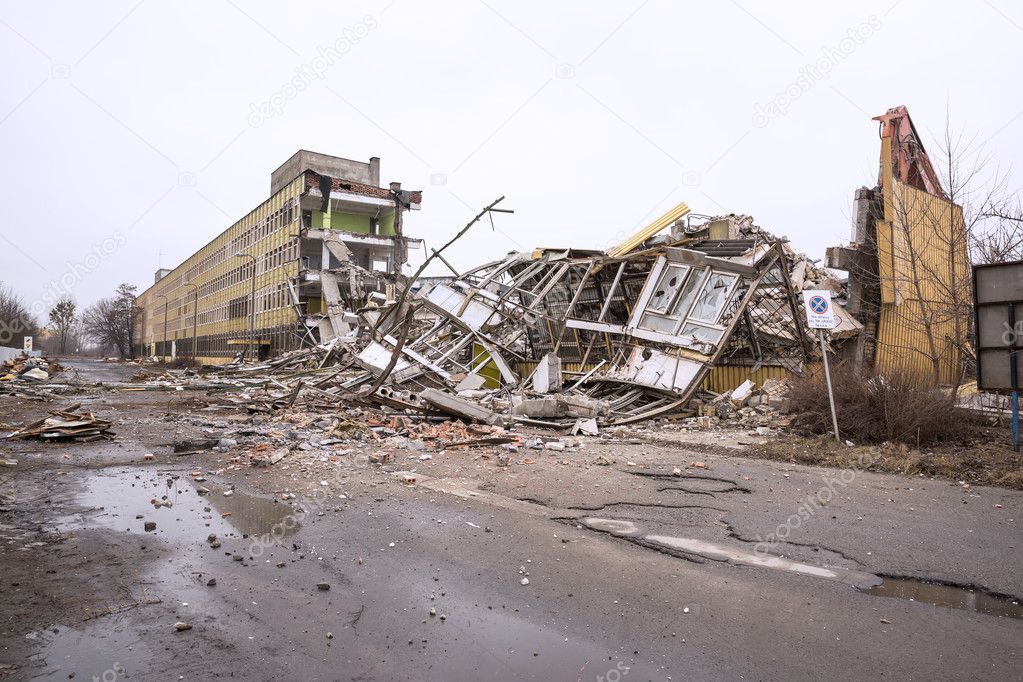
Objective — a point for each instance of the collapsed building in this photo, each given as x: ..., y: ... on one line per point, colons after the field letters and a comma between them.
x: 690, y: 303
x: 621, y: 336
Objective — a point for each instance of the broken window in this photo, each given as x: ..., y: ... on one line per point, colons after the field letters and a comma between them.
x: 688, y: 303
x: 688, y: 293
x: 701, y: 333
x: 668, y: 286
x: 712, y: 298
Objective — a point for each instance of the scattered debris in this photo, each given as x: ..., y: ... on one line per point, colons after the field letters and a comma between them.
x: 26, y: 368
x: 66, y: 425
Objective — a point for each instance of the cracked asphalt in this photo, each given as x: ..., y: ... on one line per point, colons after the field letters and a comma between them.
x: 86, y: 590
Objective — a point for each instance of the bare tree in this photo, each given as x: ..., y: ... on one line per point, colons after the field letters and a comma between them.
x: 934, y: 220
x: 998, y: 236
x: 111, y: 322
x: 62, y: 317
x: 16, y: 320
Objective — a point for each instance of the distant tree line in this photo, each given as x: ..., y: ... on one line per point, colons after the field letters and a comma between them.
x: 106, y: 326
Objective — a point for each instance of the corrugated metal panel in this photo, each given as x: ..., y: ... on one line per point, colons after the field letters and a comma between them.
x: 723, y: 378
x: 903, y: 345
x: 649, y: 231
x: 922, y: 255
x: 524, y: 369
x: 922, y: 250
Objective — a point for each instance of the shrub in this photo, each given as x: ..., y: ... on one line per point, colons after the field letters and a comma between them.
x: 875, y: 408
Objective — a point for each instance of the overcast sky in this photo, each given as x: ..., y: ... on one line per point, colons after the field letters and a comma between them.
x: 131, y: 133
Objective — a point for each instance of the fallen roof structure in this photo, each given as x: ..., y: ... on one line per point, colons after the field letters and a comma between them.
x: 639, y: 329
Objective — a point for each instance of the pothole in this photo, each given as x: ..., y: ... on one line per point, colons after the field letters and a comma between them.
x: 948, y: 596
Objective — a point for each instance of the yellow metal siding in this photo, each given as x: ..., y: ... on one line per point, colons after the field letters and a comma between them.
x: 180, y: 298
x: 649, y: 231
x: 902, y: 346
x: 724, y: 378
x: 920, y: 242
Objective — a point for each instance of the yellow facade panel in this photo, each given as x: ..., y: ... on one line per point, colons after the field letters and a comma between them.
x: 264, y: 233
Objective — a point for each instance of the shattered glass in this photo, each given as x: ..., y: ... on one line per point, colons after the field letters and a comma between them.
x: 712, y: 298
x: 668, y: 285
x: 688, y: 293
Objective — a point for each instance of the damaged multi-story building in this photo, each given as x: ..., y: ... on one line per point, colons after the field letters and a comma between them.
x: 689, y: 303
x: 328, y: 242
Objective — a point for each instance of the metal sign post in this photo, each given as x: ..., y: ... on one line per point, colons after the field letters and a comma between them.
x: 820, y: 315
x: 1012, y: 339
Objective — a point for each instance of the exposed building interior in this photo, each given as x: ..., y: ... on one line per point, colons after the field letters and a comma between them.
x: 327, y: 242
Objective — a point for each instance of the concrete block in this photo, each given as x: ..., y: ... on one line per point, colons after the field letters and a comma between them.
x: 547, y: 377
x: 453, y: 405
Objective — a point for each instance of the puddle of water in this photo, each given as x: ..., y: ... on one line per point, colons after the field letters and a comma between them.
x: 128, y: 493
x: 948, y: 596
x: 100, y: 652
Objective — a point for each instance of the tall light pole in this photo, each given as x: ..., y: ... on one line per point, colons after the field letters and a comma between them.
x: 252, y: 303
x: 195, y: 319
x: 166, y: 303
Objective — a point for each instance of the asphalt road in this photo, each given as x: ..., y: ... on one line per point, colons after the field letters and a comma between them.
x: 89, y: 592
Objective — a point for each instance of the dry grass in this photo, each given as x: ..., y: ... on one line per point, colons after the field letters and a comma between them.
x: 898, y: 427
x: 989, y: 460
x: 880, y: 409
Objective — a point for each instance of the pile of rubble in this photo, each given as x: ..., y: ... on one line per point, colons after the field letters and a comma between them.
x: 34, y: 378
x: 65, y: 425
x: 25, y: 368
x: 572, y: 340
x: 747, y: 406
x: 575, y: 341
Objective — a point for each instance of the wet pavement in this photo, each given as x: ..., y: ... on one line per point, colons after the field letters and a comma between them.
x: 543, y: 571
x: 949, y: 597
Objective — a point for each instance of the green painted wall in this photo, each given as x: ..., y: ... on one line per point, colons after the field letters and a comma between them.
x: 348, y: 222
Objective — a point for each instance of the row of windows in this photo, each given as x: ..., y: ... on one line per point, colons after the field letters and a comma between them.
x: 274, y: 258
x: 281, y: 339
x: 272, y: 298
x: 278, y: 256
x: 269, y: 298
x: 264, y: 228
x: 238, y: 307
